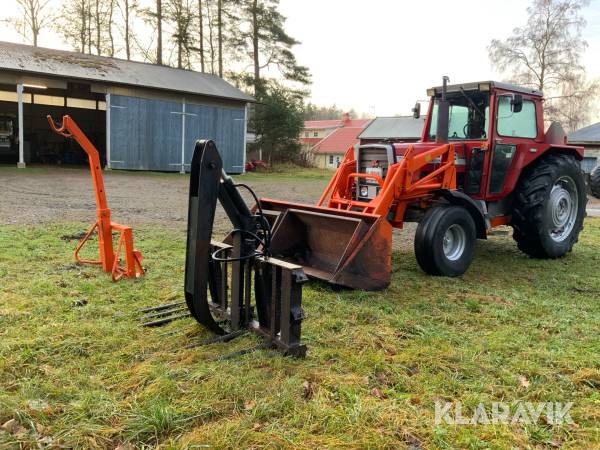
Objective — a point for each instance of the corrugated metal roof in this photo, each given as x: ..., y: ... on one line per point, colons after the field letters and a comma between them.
x: 590, y: 134
x: 404, y: 127
x: 339, y: 141
x: 43, y: 61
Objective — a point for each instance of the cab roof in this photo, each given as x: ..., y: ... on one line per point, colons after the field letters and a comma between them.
x: 485, y: 86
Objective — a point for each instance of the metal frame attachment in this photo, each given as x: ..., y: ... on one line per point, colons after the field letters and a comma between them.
x: 109, y: 258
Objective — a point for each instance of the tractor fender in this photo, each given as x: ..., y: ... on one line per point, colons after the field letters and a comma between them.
x: 477, y: 210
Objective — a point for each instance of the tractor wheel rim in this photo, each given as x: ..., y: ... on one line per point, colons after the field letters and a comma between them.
x: 454, y: 242
x: 563, y: 208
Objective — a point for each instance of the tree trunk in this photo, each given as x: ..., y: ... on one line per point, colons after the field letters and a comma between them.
x: 35, y: 31
x: 110, y: 28
x: 89, y: 26
x: 127, y: 37
x: 200, y: 16
x: 98, y: 28
x: 83, y: 25
x: 211, y: 42
x: 255, y: 55
x: 220, y: 34
x: 159, y: 59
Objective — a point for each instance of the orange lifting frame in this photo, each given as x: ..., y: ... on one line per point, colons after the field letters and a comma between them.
x: 109, y: 259
x: 402, y: 185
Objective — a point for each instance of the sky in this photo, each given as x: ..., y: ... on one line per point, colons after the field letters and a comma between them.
x: 380, y: 56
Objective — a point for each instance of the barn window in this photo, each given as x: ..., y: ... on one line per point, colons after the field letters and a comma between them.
x: 80, y: 103
x: 12, y: 97
x: 330, y: 159
x: 50, y: 100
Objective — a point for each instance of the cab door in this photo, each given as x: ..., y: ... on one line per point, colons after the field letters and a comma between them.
x: 514, y: 131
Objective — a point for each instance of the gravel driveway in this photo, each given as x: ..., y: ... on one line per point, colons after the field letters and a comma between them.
x: 54, y: 194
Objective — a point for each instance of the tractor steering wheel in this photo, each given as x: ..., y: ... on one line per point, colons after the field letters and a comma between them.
x: 465, y: 130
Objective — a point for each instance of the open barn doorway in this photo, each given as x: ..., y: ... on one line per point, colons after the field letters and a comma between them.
x: 40, y: 144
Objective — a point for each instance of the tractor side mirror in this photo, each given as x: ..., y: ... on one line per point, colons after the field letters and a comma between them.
x: 516, y: 103
x: 417, y: 110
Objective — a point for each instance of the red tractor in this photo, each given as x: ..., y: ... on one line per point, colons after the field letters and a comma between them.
x: 483, y: 160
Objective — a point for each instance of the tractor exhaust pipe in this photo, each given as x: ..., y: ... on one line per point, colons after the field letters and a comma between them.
x: 443, y: 115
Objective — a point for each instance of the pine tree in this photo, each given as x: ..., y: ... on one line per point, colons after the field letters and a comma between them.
x: 267, y: 44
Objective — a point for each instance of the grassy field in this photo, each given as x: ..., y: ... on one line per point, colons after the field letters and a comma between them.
x: 76, y: 370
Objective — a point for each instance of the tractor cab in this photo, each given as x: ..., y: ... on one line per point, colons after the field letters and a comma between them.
x: 489, y: 123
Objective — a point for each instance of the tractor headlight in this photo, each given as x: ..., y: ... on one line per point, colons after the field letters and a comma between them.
x: 364, y: 191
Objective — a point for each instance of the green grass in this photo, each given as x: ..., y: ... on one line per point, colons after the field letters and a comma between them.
x: 87, y: 376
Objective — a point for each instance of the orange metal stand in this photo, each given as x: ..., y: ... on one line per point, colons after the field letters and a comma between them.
x: 108, y: 258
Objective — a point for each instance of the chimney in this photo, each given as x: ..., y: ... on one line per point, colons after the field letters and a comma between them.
x: 345, y: 118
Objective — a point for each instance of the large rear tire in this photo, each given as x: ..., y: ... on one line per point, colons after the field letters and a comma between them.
x: 595, y: 182
x: 445, y: 241
x: 549, y: 207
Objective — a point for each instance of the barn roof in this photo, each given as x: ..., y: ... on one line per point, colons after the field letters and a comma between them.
x: 44, y: 62
x: 586, y: 135
x: 404, y: 127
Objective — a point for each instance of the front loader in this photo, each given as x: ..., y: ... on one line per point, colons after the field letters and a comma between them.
x: 483, y: 161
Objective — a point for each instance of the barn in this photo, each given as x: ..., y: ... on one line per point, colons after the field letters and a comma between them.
x: 140, y: 116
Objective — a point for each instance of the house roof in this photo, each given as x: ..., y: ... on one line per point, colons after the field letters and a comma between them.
x: 334, y: 123
x: 403, y: 127
x: 339, y: 141
x: 586, y: 135
x: 49, y: 62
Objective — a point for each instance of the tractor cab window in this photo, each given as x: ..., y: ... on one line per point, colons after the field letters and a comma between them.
x: 516, y: 124
x: 469, y: 113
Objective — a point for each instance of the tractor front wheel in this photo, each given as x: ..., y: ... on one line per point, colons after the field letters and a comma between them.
x: 549, y: 207
x: 445, y: 241
x: 595, y: 182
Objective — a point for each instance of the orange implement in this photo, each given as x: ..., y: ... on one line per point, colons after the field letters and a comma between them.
x: 348, y: 241
x: 109, y: 259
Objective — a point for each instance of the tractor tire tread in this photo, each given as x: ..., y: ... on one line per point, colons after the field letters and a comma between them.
x: 530, y: 199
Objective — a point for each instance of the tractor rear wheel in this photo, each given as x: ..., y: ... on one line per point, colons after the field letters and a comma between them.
x: 549, y: 207
x: 445, y: 241
x: 595, y: 182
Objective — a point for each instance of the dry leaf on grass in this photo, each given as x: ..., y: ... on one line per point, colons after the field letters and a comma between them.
x: 309, y: 390
x: 376, y: 393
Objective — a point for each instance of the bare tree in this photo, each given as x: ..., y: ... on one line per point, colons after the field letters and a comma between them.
x: 74, y: 24
x: 127, y: 8
x: 35, y: 16
x: 101, y: 14
x: 575, y: 102
x: 546, y: 54
x: 178, y: 15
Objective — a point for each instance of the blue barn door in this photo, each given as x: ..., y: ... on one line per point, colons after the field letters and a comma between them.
x: 148, y: 134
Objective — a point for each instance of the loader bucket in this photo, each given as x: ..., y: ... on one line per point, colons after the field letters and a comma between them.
x: 341, y: 247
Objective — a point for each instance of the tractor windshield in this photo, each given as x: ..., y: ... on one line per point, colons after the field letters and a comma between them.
x: 469, y: 113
